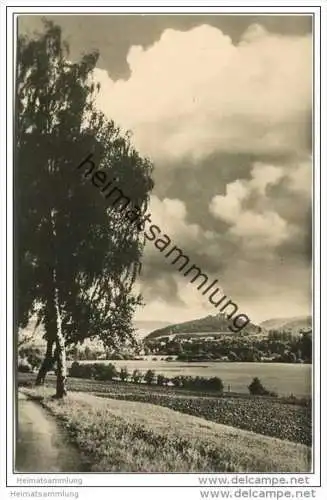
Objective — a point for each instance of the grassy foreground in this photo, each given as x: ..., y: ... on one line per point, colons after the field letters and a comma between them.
x: 129, y: 436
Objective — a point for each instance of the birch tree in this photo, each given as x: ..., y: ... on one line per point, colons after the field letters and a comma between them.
x: 77, y: 257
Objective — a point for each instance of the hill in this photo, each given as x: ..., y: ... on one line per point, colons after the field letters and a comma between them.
x: 293, y: 325
x: 218, y: 324
x: 143, y: 328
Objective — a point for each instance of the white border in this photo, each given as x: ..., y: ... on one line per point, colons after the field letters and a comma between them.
x: 80, y: 7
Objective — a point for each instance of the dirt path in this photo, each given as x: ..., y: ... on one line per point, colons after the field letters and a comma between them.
x: 42, y: 445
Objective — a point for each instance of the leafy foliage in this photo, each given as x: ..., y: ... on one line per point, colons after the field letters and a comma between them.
x: 98, y: 371
x: 91, y: 370
x: 123, y: 374
x: 281, y: 347
x: 256, y: 388
x: 24, y: 366
x: 32, y: 354
x: 137, y: 376
x: 149, y: 377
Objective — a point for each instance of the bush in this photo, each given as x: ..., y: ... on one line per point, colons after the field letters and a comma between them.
x: 137, y: 376
x: 215, y: 384
x: 185, y: 381
x: 102, y: 371
x: 81, y: 370
x: 24, y: 366
x: 32, y: 355
x: 123, y: 374
x: 98, y: 371
x: 177, y: 381
x: 73, y: 369
x: 161, y: 379
x: 199, y: 383
x: 232, y: 356
x: 193, y: 382
x: 149, y: 377
x: 257, y: 389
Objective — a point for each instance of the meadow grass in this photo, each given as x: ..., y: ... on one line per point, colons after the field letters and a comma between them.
x: 276, y: 417
x: 129, y: 436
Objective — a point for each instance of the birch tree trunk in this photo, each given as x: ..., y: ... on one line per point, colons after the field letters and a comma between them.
x: 60, y: 351
x: 59, y: 336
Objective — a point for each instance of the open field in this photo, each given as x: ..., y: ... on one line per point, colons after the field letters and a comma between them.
x: 283, y: 378
x: 269, y: 416
x: 126, y: 436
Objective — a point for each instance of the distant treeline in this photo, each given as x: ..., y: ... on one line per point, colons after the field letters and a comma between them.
x: 104, y: 371
x: 279, y: 347
x: 108, y: 372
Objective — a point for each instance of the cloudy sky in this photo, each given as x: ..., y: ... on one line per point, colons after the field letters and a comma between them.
x: 222, y: 105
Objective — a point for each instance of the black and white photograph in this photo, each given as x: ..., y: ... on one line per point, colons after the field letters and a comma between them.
x: 165, y: 183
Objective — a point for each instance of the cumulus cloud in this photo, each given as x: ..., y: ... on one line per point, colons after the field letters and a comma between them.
x: 227, y: 125
x: 258, y: 228
x: 194, y: 93
x: 263, y: 176
x: 203, y: 247
x: 300, y: 178
x: 171, y: 216
x: 161, y: 283
x: 267, y: 229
